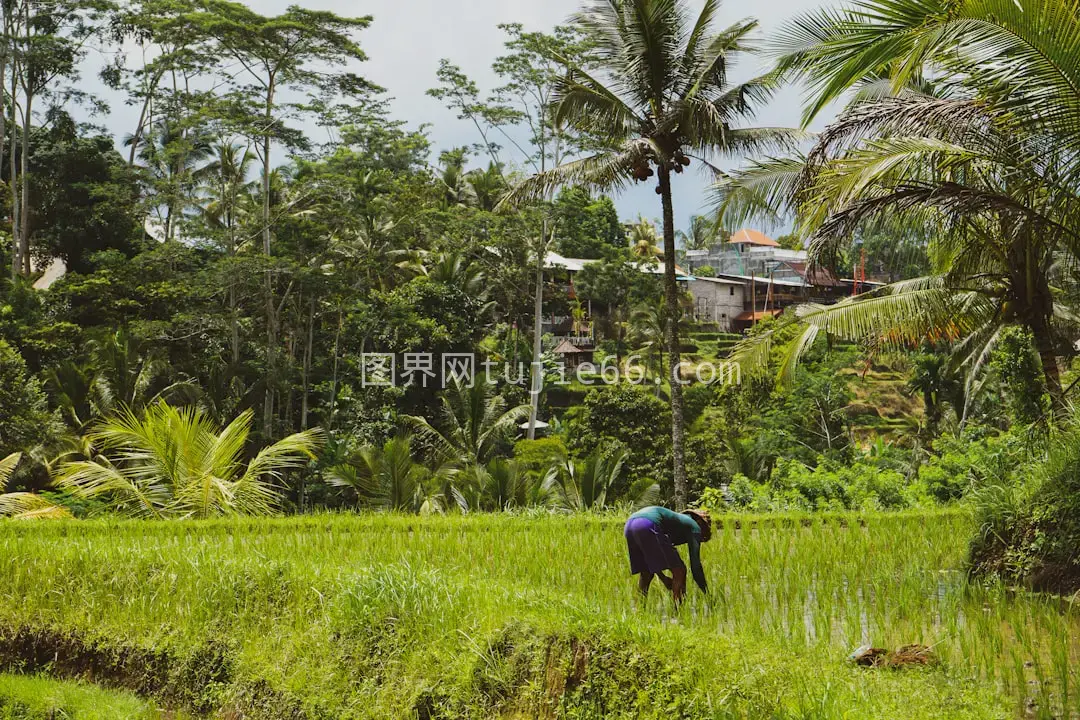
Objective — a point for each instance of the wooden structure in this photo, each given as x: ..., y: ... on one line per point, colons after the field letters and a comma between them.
x: 571, y: 355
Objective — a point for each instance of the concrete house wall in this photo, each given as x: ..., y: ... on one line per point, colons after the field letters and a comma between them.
x: 717, y: 301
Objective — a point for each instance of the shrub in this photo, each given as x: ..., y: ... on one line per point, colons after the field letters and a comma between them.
x: 826, y: 486
x: 177, y: 463
x: 536, y: 456
x: 624, y: 416
x: 25, y: 420
x: 970, y: 461
x: 696, y: 398
x: 1030, y: 533
x: 1017, y: 364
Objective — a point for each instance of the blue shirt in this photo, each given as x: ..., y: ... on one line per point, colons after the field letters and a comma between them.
x: 682, y: 530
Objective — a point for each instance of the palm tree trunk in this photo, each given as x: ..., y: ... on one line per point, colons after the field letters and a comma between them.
x: 334, y: 377
x: 536, y: 374
x: 16, y: 214
x: 671, y: 297
x: 1048, y: 357
x: 24, y: 161
x: 271, y: 316
x: 305, y: 406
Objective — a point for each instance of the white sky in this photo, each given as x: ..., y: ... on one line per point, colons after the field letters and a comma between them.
x: 408, y: 37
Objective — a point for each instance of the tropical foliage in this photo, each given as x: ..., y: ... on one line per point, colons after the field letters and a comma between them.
x: 658, y: 97
x: 231, y: 270
x: 970, y: 160
x: 24, y: 505
x: 475, y: 421
x: 176, y: 462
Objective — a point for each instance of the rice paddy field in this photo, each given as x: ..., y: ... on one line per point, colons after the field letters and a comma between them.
x: 379, y: 616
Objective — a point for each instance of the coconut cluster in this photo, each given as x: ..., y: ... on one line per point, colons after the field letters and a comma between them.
x: 642, y: 172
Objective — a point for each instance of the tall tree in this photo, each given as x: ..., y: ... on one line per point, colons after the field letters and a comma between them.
x: 531, y: 69
x: 700, y: 235
x: 661, y: 96
x: 174, y: 53
x: 586, y: 226
x: 290, y: 51
x: 85, y: 199
x: 461, y: 94
x: 42, y: 46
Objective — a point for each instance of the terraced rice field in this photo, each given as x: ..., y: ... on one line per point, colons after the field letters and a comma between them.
x: 383, y: 616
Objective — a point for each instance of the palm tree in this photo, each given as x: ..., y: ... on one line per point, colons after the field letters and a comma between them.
x: 647, y: 331
x: 456, y: 270
x: 643, y: 241
x: 170, y: 154
x: 369, y: 246
x: 228, y: 201
x: 227, y: 193
x: 178, y: 463
x: 474, y: 420
x: 389, y: 477
x: 701, y: 235
x: 130, y: 372
x: 661, y: 97
x: 934, y: 379
x: 591, y: 483
x: 648, y: 328
x: 73, y: 388
x: 24, y: 505
x: 488, y: 186
x: 498, y: 485
x: 457, y: 191
x: 978, y: 163
x: 506, y: 484
x: 122, y: 371
x: 1020, y: 53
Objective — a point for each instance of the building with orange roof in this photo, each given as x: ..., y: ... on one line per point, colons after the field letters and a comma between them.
x: 746, y: 236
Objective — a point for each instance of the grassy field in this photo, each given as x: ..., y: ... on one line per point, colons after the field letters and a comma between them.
x: 520, y: 617
x: 37, y: 698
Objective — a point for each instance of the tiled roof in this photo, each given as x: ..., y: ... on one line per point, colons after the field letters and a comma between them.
x: 747, y: 236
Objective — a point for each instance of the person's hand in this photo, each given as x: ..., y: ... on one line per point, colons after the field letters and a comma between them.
x: 678, y: 585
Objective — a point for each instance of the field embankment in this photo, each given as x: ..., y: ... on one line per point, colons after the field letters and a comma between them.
x: 522, y: 617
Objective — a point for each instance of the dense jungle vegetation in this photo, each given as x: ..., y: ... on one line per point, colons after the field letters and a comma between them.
x: 191, y: 306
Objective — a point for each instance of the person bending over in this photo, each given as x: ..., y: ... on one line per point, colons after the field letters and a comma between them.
x: 651, y: 536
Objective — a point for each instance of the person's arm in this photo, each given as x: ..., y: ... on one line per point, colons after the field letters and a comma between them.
x: 694, y: 550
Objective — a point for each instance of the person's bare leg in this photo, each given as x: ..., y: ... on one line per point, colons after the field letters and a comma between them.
x: 678, y: 584
x: 644, y: 581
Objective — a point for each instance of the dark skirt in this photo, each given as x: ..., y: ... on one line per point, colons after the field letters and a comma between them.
x: 649, y: 547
